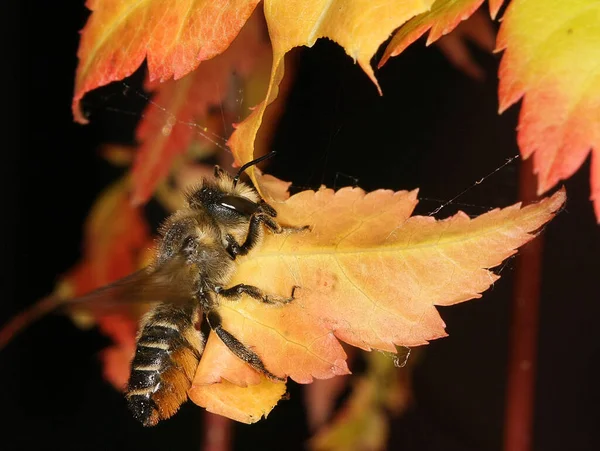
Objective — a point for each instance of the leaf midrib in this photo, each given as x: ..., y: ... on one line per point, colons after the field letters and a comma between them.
x: 440, y: 242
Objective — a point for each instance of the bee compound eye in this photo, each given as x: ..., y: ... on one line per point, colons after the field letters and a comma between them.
x: 238, y: 205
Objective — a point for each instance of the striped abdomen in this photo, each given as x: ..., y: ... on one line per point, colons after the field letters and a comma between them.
x: 169, y: 347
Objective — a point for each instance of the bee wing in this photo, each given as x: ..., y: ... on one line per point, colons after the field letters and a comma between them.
x: 170, y: 282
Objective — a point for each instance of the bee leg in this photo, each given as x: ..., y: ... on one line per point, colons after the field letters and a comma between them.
x: 274, y: 227
x: 235, y: 249
x: 237, y: 347
x: 254, y: 292
x: 266, y: 208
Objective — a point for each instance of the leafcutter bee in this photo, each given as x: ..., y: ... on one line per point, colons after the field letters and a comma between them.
x: 195, y: 260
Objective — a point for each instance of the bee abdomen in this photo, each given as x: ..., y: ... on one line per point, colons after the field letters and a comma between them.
x: 168, y: 351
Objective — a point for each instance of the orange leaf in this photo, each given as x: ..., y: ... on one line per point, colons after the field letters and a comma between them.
x: 359, y: 26
x: 368, y: 275
x: 116, y: 364
x: 166, y: 129
x: 116, y: 243
x: 361, y: 425
x: 444, y: 16
x: 216, y: 360
x: 115, y: 240
x: 244, y: 404
x: 455, y: 45
x: 362, y: 422
x: 551, y: 60
x: 174, y: 36
x: 117, y: 154
x: 495, y: 6
x: 246, y: 397
x: 321, y: 396
x: 116, y: 359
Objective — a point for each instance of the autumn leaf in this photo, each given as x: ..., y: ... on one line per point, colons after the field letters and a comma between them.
x: 117, y: 242
x: 173, y: 36
x: 362, y: 422
x: 552, y: 49
x: 245, y: 397
x: 359, y: 26
x: 170, y: 121
x: 444, y: 16
x: 176, y: 36
x: 321, y: 396
x: 368, y: 274
x: 116, y: 359
x: 360, y: 426
x: 116, y: 239
x: 117, y: 154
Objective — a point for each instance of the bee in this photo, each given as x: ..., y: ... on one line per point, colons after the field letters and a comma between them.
x: 195, y: 261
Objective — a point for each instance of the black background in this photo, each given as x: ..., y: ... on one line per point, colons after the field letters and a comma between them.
x: 434, y: 128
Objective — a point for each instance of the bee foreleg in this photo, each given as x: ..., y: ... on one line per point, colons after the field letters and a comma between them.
x: 254, y: 292
x: 266, y: 208
x: 274, y: 227
x: 237, y: 347
x: 235, y: 249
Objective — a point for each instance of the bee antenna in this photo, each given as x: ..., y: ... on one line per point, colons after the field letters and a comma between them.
x: 252, y: 163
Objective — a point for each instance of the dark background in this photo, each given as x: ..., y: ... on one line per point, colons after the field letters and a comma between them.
x: 434, y: 129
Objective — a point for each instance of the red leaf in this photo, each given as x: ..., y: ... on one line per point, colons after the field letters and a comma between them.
x: 169, y: 122
x: 552, y: 49
x: 444, y: 16
x: 175, y: 36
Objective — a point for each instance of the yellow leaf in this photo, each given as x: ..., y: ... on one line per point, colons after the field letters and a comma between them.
x: 359, y: 26
x: 368, y: 274
x: 242, y: 400
x: 552, y: 61
x: 174, y: 36
x: 444, y: 16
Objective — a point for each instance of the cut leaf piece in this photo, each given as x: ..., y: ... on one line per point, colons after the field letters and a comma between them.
x: 359, y: 26
x: 169, y: 122
x: 444, y: 16
x: 552, y: 49
x: 242, y: 401
x: 174, y: 36
x: 244, y: 404
x: 368, y: 274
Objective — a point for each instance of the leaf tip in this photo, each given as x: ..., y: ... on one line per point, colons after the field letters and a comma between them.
x: 384, y: 59
x: 78, y: 114
x: 495, y: 6
x: 366, y: 67
x: 558, y: 200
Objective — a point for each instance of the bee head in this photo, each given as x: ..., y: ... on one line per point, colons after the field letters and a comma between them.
x: 227, y: 202
x: 225, y: 195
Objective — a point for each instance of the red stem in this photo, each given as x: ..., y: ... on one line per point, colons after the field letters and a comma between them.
x: 524, y: 333
x: 218, y: 432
